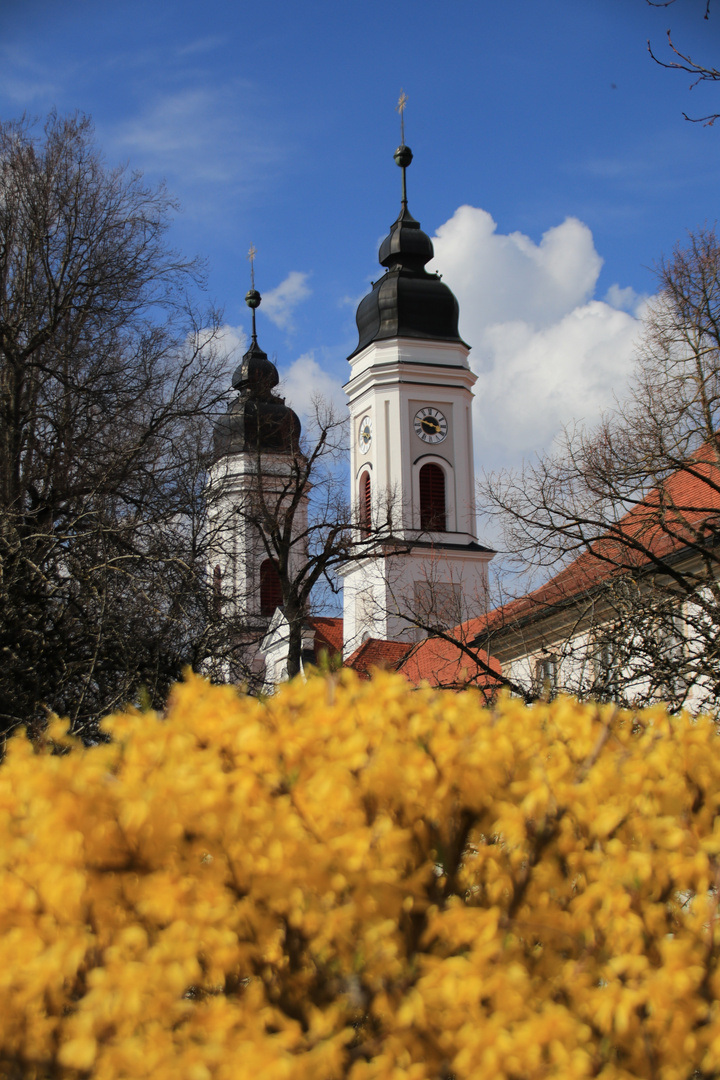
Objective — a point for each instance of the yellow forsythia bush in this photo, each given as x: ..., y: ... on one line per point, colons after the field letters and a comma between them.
x: 360, y: 880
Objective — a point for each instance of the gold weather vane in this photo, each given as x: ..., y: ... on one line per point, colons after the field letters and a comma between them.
x: 400, y: 107
x: 251, y: 258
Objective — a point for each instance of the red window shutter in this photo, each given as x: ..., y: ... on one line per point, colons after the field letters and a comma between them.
x: 365, y: 505
x: 270, y: 588
x: 432, y: 498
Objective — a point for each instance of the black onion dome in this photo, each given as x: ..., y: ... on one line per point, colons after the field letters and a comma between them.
x: 258, y: 420
x: 406, y: 244
x: 257, y: 425
x: 407, y: 301
x: 255, y: 370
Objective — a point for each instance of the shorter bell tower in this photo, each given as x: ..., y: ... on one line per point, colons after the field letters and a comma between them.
x: 256, y: 444
x: 411, y: 460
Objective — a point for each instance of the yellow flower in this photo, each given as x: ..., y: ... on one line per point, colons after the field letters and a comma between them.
x: 359, y: 879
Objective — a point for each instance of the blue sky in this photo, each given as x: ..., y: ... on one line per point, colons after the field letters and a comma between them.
x: 552, y: 163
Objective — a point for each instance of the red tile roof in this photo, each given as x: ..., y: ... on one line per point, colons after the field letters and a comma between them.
x: 433, y: 660
x: 675, y: 516
x: 443, y: 663
x: 376, y: 653
x: 328, y: 635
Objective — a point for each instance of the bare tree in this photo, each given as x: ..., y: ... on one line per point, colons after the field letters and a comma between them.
x: 684, y: 62
x: 627, y: 516
x: 305, y: 525
x: 109, y: 380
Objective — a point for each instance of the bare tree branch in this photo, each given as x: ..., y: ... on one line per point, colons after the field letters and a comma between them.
x: 627, y: 516
x: 684, y: 62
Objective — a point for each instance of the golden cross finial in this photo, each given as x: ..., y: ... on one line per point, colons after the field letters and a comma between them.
x: 400, y: 107
x: 251, y: 256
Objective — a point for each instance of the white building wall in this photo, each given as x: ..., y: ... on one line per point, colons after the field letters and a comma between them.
x: 579, y: 663
x: 390, y: 382
x: 387, y: 597
x: 234, y: 492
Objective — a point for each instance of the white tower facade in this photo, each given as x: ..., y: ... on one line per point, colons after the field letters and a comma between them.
x: 411, y: 460
x: 249, y: 487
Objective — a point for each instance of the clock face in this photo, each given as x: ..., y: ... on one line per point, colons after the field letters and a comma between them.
x: 430, y: 425
x: 365, y: 435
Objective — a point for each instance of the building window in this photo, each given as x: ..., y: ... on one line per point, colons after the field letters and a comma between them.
x: 437, y: 604
x: 365, y: 505
x: 217, y: 590
x: 270, y: 588
x: 606, y: 665
x: 546, y: 675
x: 669, y: 659
x: 432, y: 498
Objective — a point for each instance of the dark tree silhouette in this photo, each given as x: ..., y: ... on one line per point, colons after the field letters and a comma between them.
x: 109, y: 379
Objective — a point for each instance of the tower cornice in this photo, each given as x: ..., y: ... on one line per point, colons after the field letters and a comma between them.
x: 403, y: 373
x: 410, y: 351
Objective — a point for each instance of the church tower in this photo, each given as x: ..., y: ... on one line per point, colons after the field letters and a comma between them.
x: 411, y: 459
x: 256, y: 450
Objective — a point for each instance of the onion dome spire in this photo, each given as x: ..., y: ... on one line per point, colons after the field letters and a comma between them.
x: 258, y: 419
x: 252, y: 296
x: 403, y: 155
x: 407, y: 301
x: 254, y: 372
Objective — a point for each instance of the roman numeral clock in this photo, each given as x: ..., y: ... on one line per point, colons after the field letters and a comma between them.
x: 430, y: 425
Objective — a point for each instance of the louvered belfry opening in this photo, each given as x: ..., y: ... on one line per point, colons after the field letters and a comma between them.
x: 270, y: 588
x: 365, y: 505
x: 432, y: 498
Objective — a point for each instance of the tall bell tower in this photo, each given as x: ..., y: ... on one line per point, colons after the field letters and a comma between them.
x: 411, y: 459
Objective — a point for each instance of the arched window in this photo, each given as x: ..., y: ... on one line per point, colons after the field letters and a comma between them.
x: 432, y: 498
x: 270, y: 588
x: 217, y: 590
x: 365, y: 505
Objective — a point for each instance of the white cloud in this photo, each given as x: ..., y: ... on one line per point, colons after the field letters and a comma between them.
x: 539, y: 381
x: 305, y: 381
x: 279, y: 303
x: 23, y: 78
x: 176, y: 133
x: 201, y: 45
x: 231, y: 342
x: 546, y: 353
x: 354, y: 301
x: 209, y: 151
x: 625, y: 299
x: 228, y: 342
x: 509, y: 277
